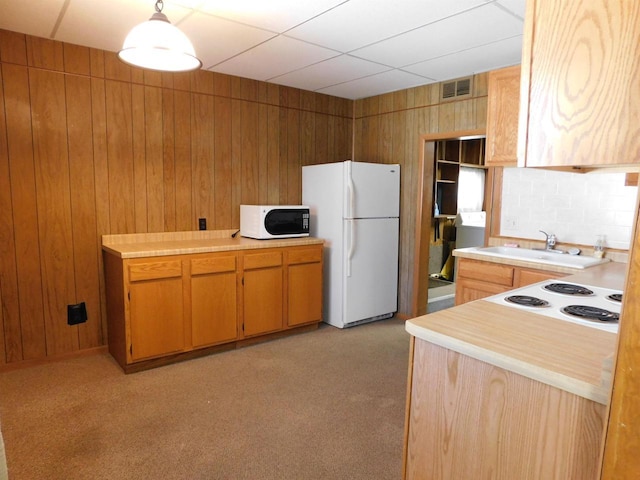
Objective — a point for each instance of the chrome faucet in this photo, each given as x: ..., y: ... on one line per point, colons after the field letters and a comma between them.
x: 551, y: 240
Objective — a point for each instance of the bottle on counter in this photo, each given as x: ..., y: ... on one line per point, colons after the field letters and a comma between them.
x: 598, y: 247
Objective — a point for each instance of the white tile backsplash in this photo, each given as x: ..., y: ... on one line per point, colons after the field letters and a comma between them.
x: 574, y: 206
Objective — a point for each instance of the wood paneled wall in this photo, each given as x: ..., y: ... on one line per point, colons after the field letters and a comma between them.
x: 387, y: 130
x: 90, y: 146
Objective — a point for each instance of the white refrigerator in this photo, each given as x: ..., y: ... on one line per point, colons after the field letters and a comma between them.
x: 355, y: 208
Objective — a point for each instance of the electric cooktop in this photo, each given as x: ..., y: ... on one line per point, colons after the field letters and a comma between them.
x: 594, y: 307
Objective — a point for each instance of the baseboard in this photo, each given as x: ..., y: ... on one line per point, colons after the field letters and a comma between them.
x: 54, y: 358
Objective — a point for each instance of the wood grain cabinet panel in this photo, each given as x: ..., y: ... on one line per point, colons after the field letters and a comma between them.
x: 262, y: 260
x: 502, y: 117
x: 304, y: 255
x: 526, y: 277
x: 477, y: 279
x: 486, y: 272
x: 214, y: 312
x: 154, y: 270
x: 469, y: 419
x: 304, y: 286
x: 156, y: 317
x: 262, y: 280
x: 579, y: 101
x: 468, y: 290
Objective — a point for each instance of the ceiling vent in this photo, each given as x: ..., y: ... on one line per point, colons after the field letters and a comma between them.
x: 456, y: 88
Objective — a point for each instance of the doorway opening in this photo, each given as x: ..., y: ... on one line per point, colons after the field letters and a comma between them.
x: 445, y: 160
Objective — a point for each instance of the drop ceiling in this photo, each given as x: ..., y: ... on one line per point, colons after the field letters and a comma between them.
x: 352, y: 49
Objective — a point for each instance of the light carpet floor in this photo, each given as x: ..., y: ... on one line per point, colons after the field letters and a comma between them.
x: 327, y: 404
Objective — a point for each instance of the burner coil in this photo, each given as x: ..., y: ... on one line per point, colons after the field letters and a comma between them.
x: 591, y: 313
x: 568, y: 289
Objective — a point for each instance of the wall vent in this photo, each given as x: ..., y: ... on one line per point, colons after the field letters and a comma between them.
x: 460, y: 87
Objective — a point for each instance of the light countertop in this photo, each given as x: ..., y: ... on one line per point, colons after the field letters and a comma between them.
x: 184, y: 243
x: 565, y: 355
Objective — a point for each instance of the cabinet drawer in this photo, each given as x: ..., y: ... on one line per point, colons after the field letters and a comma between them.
x: 203, y: 266
x: 469, y: 290
x: 262, y: 260
x: 307, y: 255
x: 154, y: 270
x: 487, y: 272
x: 527, y: 277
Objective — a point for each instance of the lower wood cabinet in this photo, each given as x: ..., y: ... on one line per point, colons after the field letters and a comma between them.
x: 304, y: 286
x: 263, y: 290
x: 477, y: 279
x: 156, y: 303
x: 165, y: 306
x: 214, y: 305
x: 468, y: 419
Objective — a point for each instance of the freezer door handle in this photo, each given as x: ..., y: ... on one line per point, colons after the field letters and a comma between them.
x: 352, y: 245
x: 350, y: 192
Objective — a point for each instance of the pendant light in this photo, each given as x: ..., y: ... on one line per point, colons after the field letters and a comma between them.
x: 158, y: 45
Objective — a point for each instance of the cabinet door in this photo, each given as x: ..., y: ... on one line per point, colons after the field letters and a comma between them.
x: 262, y: 293
x: 213, y: 300
x: 581, y: 77
x: 156, y: 314
x: 502, y: 117
x: 304, y: 286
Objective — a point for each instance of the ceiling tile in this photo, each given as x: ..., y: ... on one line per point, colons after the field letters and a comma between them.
x: 192, y: 4
x: 475, y: 60
x: 517, y: 7
x: 40, y: 21
x: 275, y: 57
x: 357, y: 23
x: 216, y: 40
x: 479, y: 26
x: 385, y: 82
x: 330, y: 72
x: 275, y: 15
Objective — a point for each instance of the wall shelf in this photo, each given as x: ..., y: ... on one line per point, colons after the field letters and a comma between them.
x: 449, y: 156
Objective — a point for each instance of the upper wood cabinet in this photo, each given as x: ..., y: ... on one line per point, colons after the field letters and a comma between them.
x: 502, y: 117
x: 579, y: 102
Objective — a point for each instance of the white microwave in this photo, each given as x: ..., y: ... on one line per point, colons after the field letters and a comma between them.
x: 274, y: 221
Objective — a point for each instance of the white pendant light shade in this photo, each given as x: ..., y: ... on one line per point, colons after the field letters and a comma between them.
x: 158, y: 45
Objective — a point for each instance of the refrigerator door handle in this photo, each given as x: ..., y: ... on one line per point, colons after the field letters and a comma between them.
x: 350, y: 191
x: 352, y: 245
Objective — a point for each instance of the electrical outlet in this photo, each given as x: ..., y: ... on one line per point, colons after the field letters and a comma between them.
x: 202, y: 224
x: 76, y: 313
x: 510, y: 223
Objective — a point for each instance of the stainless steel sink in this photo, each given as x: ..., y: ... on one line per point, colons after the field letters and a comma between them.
x: 540, y: 256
